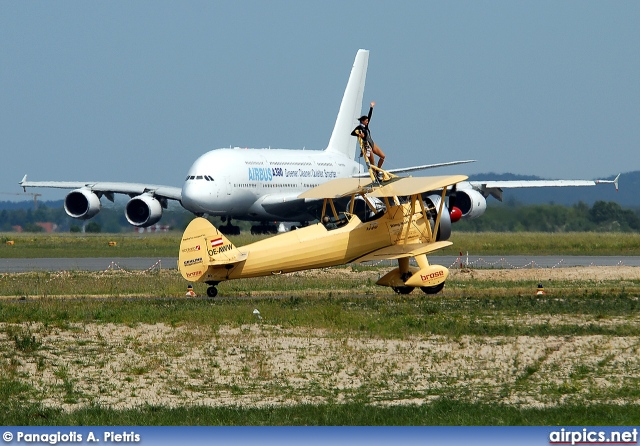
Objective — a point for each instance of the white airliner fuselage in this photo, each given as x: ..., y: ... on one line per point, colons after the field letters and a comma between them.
x: 255, y: 183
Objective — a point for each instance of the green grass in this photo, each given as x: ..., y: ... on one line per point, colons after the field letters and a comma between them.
x: 27, y: 245
x: 441, y: 412
x: 347, y: 306
x: 381, y: 317
x: 366, y: 317
x: 167, y: 244
x: 541, y: 243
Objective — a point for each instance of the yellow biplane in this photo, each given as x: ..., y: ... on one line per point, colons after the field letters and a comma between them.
x: 388, y: 218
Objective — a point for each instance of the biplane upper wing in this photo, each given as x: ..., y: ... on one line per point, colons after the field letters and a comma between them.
x: 414, y: 168
x: 415, y: 185
x: 402, y: 187
x: 401, y: 250
x: 338, y: 188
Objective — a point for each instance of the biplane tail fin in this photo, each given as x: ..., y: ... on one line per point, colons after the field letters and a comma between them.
x: 203, y: 245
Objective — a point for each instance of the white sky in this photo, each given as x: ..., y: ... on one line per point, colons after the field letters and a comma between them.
x: 137, y: 90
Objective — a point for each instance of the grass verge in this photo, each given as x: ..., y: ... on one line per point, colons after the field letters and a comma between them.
x: 486, y: 355
x: 441, y: 413
x: 166, y: 244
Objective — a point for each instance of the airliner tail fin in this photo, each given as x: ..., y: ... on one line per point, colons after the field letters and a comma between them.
x: 341, y: 140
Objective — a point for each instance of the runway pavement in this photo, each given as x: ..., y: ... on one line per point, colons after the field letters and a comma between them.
x: 86, y: 264
x: 143, y: 263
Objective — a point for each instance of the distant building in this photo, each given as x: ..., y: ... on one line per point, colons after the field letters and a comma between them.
x: 48, y: 226
x: 153, y: 228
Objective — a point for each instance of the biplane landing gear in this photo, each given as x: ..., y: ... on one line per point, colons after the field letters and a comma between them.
x: 432, y: 289
x: 212, y: 291
x: 402, y: 289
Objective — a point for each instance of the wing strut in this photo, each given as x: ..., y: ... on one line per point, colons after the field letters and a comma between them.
x: 431, y: 234
x: 413, y: 209
x: 437, y: 225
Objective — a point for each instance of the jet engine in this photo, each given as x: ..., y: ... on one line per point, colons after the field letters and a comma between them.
x: 143, y: 210
x: 432, y: 204
x: 82, y: 204
x: 471, y: 203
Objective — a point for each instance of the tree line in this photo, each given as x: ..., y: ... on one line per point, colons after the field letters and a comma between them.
x: 109, y: 220
x: 501, y: 217
x: 605, y: 216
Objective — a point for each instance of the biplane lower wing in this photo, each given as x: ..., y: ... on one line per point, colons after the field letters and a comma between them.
x: 399, y: 251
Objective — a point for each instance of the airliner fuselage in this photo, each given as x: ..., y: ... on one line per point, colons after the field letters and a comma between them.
x: 254, y: 184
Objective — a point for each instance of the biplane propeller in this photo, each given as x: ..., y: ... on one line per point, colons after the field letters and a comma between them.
x: 404, y: 218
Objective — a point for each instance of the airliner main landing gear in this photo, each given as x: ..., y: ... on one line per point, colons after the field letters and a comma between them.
x: 264, y: 228
x: 229, y: 229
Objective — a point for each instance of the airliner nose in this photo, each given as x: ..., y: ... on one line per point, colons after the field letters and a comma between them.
x: 194, y: 196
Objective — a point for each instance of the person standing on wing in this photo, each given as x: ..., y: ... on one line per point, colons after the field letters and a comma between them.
x: 370, y: 146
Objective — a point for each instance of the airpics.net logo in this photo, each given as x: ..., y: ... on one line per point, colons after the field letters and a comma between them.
x: 586, y: 436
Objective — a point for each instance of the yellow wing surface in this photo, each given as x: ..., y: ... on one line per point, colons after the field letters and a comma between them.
x: 401, y: 250
x: 405, y: 187
x: 400, y: 187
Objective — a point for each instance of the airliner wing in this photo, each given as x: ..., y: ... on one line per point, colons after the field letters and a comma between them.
x: 494, y: 188
x: 110, y: 188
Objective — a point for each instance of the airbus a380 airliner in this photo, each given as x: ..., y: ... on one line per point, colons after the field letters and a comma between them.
x: 263, y: 184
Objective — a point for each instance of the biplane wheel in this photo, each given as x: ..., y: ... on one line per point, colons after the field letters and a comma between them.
x: 212, y: 291
x: 402, y: 289
x: 432, y: 289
